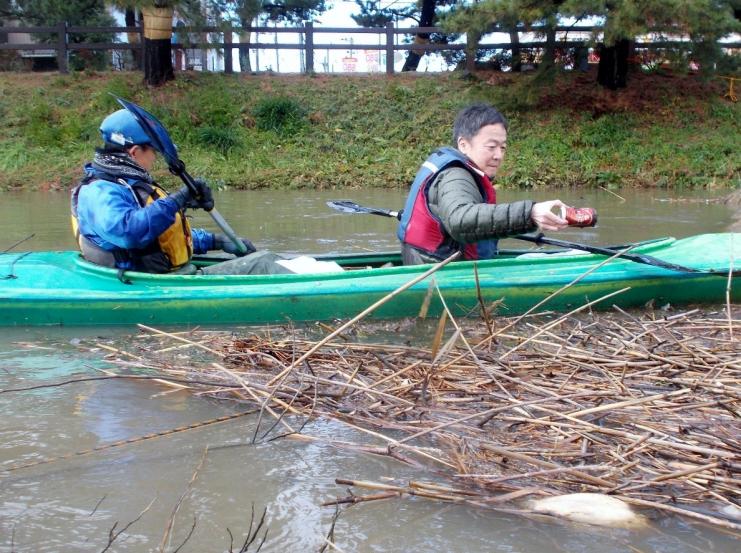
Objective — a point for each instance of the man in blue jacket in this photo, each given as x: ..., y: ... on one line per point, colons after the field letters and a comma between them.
x: 123, y: 219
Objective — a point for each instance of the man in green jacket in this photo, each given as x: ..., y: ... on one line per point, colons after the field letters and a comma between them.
x: 452, y: 204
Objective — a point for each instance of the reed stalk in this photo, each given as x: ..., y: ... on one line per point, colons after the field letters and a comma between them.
x: 632, y: 403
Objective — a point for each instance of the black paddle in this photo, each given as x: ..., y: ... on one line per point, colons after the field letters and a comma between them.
x: 347, y: 206
x: 163, y: 144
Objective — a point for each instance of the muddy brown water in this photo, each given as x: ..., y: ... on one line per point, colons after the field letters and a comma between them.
x: 72, y: 505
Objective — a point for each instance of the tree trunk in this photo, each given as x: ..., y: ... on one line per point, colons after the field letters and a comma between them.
x: 606, y: 66
x: 622, y: 52
x: 157, y: 45
x: 247, y: 13
x: 244, y: 51
x: 136, y: 53
x: 472, y: 43
x: 425, y: 20
x: 514, y: 38
x: 612, y: 71
x: 157, y: 61
x: 549, y: 56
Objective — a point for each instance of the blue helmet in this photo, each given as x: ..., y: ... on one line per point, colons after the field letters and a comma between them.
x: 121, y: 128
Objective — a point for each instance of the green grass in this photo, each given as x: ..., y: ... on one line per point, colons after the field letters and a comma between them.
x: 338, y: 131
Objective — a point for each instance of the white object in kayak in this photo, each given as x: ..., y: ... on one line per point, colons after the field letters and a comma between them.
x: 305, y: 265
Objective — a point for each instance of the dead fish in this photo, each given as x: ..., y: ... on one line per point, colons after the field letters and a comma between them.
x: 591, y: 508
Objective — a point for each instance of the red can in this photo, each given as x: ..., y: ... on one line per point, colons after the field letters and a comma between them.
x: 580, y: 216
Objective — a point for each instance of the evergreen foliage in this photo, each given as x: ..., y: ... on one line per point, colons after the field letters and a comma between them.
x: 424, y: 13
x: 702, y: 22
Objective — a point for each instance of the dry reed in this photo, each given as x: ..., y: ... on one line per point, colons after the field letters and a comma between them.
x: 645, y: 407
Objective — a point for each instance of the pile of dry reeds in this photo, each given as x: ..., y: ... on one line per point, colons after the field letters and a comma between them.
x: 642, y: 407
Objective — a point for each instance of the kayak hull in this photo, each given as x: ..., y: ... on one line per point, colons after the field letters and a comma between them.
x: 59, y: 288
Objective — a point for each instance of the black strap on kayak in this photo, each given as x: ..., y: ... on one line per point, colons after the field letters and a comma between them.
x: 122, y: 277
x: 11, y: 275
x: 6, y: 250
x: 636, y: 257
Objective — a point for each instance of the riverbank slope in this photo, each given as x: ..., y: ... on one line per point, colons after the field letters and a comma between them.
x: 373, y: 131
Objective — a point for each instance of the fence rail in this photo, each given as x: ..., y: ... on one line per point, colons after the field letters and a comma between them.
x: 62, y: 46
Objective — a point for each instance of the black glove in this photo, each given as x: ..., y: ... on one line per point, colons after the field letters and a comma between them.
x: 224, y: 243
x: 184, y: 197
x: 204, y: 193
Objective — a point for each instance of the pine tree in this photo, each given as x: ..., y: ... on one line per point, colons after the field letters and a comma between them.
x: 699, y: 22
x: 244, y: 12
x: 702, y: 22
x: 424, y: 12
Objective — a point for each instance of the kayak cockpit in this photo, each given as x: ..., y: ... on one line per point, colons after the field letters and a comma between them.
x: 354, y: 261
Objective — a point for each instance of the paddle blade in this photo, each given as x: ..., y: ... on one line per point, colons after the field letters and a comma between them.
x: 157, y: 133
x: 347, y: 206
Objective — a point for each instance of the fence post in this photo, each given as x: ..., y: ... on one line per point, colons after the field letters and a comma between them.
x: 62, y: 47
x: 309, y: 47
x: 228, y: 64
x: 390, y: 48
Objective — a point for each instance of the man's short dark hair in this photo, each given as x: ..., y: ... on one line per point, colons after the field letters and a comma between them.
x: 470, y: 120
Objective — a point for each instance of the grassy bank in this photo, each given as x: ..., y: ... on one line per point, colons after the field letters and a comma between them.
x: 338, y: 131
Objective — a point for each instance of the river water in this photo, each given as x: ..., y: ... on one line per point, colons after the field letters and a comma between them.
x: 73, y: 504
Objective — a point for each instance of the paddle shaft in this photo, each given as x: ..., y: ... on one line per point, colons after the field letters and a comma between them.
x: 347, y: 206
x: 636, y: 257
x: 213, y: 212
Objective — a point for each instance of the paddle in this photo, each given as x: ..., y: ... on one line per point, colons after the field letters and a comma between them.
x: 636, y: 257
x: 163, y: 144
x: 347, y: 206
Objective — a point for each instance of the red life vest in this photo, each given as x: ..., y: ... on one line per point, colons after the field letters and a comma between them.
x: 423, y: 230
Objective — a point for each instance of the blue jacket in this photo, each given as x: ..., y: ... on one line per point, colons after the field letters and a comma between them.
x: 110, y: 216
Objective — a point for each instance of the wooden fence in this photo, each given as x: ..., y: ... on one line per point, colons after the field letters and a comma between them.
x: 62, y: 46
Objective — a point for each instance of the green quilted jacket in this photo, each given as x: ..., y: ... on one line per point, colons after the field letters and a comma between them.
x: 455, y: 199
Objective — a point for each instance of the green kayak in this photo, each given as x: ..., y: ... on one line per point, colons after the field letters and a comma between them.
x: 60, y: 288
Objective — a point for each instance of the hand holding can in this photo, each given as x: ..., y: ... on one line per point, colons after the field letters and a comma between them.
x: 579, y: 216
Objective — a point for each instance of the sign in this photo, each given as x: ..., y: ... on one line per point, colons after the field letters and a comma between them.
x: 349, y: 64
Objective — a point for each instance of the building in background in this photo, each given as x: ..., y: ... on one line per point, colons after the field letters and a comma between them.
x: 38, y: 59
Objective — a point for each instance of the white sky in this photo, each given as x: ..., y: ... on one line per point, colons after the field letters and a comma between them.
x: 339, y: 13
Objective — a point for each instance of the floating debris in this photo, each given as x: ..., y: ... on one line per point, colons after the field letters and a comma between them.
x: 639, y: 410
